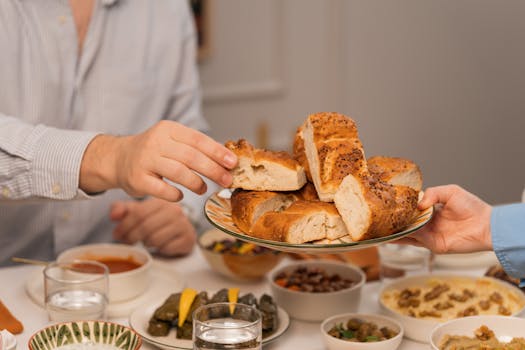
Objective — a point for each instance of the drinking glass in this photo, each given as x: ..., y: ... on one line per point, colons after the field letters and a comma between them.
x: 215, y: 326
x: 397, y: 260
x: 76, y: 290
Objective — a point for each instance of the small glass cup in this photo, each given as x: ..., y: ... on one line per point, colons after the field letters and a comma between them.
x: 76, y: 290
x: 215, y: 326
x: 399, y: 260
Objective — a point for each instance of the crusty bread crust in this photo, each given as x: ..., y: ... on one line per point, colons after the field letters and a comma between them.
x: 248, y: 206
x: 333, y: 150
x: 396, y: 171
x: 263, y: 170
x: 372, y: 208
x: 299, y: 153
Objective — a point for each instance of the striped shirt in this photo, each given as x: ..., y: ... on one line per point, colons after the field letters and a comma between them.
x: 137, y: 66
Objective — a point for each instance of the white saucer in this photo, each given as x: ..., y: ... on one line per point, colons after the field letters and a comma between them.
x: 164, y: 279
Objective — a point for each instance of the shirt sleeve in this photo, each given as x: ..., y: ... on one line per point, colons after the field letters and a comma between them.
x: 40, y: 161
x: 508, y: 237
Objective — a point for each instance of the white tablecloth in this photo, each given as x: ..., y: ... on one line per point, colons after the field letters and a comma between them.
x: 300, y: 335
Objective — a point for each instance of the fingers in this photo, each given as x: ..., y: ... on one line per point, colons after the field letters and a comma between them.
x: 137, y: 212
x: 204, y: 144
x: 159, y: 188
x: 199, y: 162
x: 181, y: 174
x: 438, y: 194
x: 118, y: 211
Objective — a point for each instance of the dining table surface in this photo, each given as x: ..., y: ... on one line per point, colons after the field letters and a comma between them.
x: 196, y: 273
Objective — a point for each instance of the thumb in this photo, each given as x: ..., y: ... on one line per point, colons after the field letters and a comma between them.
x: 118, y: 211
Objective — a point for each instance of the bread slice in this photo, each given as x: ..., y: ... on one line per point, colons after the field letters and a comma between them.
x: 303, y: 221
x: 306, y: 193
x: 299, y: 154
x: 333, y: 151
x: 371, y: 208
x: 396, y: 171
x: 263, y: 170
x: 248, y: 206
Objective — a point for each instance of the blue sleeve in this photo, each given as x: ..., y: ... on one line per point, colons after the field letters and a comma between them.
x: 507, y: 226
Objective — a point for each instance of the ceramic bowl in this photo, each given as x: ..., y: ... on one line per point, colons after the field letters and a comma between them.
x: 504, y: 327
x: 420, y: 329
x: 112, y: 336
x: 308, y: 306
x: 123, y: 286
x: 333, y: 343
x: 238, y: 267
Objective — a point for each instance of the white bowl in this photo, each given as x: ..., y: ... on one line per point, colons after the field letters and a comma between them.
x: 318, y: 306
x: 420, y: 329
x: 333, y: 343
x: 505, y: 328
x: 123, y: 285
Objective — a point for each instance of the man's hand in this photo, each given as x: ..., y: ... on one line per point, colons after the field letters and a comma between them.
x: 155, y: 222
x: 461, y: 222
x: 138, y: 163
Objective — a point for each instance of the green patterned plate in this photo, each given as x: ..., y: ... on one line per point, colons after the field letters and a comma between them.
x: 80, y: 335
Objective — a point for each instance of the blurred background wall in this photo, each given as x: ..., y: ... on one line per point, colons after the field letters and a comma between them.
x: 439, y: 82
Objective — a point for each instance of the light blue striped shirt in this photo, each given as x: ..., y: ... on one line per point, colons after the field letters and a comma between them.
x: 508, y: 238
x: 137, y: 66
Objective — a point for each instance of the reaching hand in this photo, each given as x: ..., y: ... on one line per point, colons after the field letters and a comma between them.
x: 157, y: 223
x: 461, y: 222
x: 138, y: 163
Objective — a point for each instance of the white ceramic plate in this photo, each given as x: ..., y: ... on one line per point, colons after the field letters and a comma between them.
x: 218, y: 211
x: 163, y: 278
x: 139, y: 320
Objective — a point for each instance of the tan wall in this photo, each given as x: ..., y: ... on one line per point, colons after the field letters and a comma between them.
x: 441, y: 82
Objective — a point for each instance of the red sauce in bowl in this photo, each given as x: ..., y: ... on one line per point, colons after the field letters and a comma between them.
x: 114, y: 264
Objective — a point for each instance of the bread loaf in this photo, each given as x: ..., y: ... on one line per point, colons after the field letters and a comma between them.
x: 263, y: 170
x: 333, y: 151
x: 299, y: 154
x: 248, y: 206
x: 371, y: 208
x: 396, y: 171
x: 303, y: 221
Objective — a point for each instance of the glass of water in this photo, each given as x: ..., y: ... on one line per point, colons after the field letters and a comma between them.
x: 400, y: 260
x: 76, y: 290
x: 227, y: 326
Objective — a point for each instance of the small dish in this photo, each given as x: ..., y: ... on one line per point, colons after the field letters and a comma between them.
x: 112, y: 336
x: 240, y: 267
x: 122, y: 285
x: 333, y: 343
x: 309, y: 306
x: 218, y: 212
x: 504, y: 327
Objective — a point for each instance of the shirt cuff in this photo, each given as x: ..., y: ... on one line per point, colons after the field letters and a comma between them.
x: 56, y: 162
x: 508, y: 231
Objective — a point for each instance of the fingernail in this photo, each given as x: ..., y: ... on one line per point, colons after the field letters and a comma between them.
x: 226, y: 180
x: 230, y: 160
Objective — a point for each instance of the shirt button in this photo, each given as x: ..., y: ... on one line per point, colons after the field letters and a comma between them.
x: 56, y: 189
x: 66, y: 215
x: 62, y: 19
x: 5, y: 192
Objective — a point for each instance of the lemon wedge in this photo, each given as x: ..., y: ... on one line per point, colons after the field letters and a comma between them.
x: 186, y: 299
x: 233, y: 295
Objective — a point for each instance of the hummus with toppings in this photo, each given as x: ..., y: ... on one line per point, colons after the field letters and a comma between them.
x: 445, y: 298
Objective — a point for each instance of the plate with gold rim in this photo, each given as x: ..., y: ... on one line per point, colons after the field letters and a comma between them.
x: 218, y: 212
